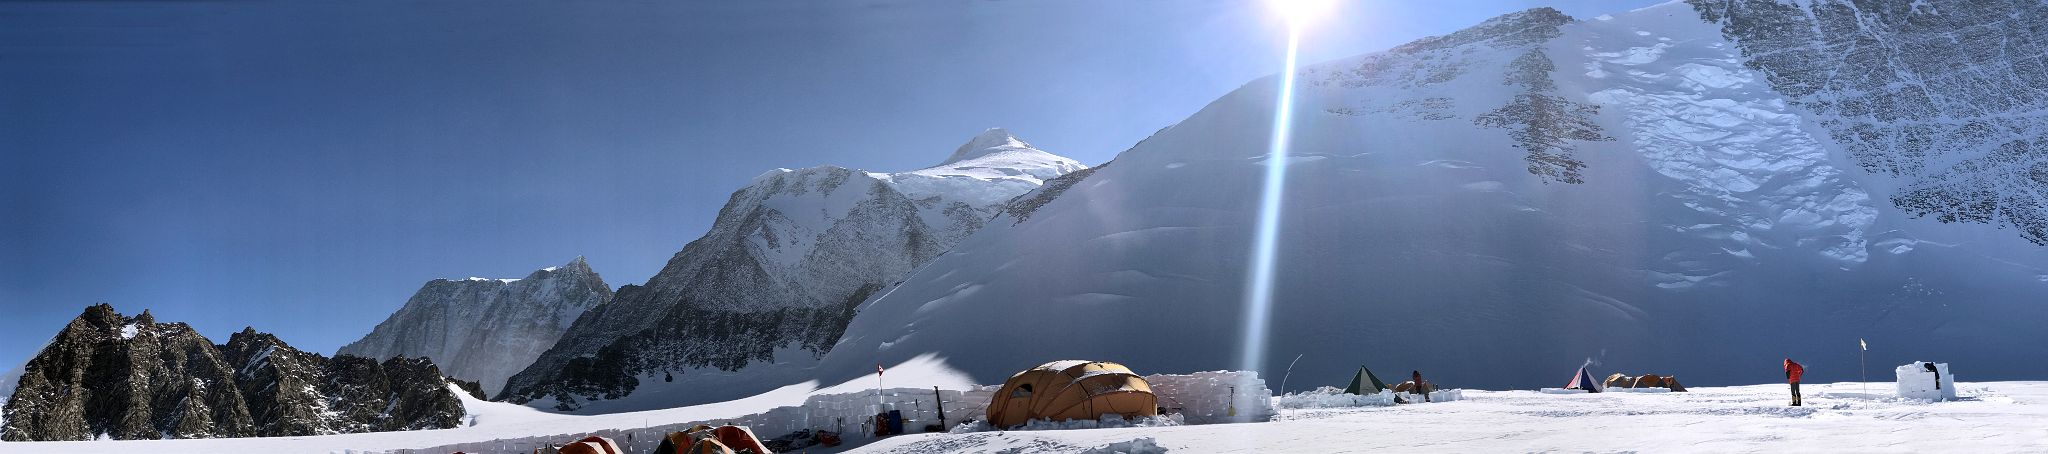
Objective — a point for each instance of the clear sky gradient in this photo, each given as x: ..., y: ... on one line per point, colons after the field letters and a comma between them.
x: 303, y: 167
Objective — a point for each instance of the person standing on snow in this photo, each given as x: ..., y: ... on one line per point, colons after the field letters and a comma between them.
x: 1792, y: 372
x: 1417, y: 378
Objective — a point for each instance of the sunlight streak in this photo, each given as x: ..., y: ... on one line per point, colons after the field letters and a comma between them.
x: 1258, y: 296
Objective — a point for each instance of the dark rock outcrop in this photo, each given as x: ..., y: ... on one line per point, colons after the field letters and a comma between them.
x: 132, y: 378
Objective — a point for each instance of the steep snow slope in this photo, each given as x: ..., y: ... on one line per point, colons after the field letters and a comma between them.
x: 485, y: 330
x: 1493, y: 207
x: 754, y: 302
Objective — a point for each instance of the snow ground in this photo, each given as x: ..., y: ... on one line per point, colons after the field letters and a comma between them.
x: 1839, y: 417
x: 1992, y: 417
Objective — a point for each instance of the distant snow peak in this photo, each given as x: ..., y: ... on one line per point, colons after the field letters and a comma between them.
x: 486, y: 329
x: 991, y: 141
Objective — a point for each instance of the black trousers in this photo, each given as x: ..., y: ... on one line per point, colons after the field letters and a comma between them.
x: 1795, y: 393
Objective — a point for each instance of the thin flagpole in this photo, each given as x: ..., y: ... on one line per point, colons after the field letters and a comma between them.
x: 1863, y: 365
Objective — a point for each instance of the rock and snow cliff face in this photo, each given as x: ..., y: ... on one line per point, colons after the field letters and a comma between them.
x: 1946, y: 95
x: 106, y: 375
x: 753, y: 303
x: 1496, y: 206
x: 486, y: 329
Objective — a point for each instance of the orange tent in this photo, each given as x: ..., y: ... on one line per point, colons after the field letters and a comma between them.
x: 1070, y: 390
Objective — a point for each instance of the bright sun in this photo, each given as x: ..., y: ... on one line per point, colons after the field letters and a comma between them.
x: 1300, y: 13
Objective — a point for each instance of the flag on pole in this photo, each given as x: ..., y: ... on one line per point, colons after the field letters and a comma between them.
x: 878, y: 369
x: 1865, y: 344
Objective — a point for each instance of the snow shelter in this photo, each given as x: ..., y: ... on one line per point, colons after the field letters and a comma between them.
x: 1583, y: 380
x: 1365, y: 383
x: 1926, y: 380
x: 1071, y: 390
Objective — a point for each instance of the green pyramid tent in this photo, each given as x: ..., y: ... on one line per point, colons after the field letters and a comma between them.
x: 1365, y: 377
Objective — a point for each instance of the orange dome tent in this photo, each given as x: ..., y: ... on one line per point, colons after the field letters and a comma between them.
x: 1070, y: 390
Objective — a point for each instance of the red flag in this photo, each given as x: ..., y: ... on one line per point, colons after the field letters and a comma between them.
x: 878, y: 369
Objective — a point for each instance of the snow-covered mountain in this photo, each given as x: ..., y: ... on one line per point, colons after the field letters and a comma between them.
x: 131, y: 378
x: 486, y: 329
x: 1695, y: 189
x: 752, y: 304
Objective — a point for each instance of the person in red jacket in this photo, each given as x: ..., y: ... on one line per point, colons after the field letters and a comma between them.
x: 1792, y: 372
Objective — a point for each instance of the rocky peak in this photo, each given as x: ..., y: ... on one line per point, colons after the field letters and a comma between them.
x: 100, y: 315
x: 577, y: 267
x: 98, y: 378
x: 1521, y: 28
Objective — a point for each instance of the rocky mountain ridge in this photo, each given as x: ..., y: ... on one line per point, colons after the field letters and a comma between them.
x: 485, y: 330
x: 132, y: 378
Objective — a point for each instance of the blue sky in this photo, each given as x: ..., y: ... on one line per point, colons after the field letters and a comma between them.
x: 303, y: 167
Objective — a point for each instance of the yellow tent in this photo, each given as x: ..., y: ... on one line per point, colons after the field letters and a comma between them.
x: 1070, y: 390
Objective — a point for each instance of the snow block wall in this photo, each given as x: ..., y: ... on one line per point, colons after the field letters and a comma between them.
x: 1211, y: 397
x: 1201, y: 398
x: 1331, y: 397
x: 1916, y: 382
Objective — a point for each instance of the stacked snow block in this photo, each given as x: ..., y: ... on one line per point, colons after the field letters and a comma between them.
x: 1331, y: 397
x: 1206, y: 397
x: 846, y: 413
x: 1925, y: 380
x: 1618, y: 389
x: 1441, y: 395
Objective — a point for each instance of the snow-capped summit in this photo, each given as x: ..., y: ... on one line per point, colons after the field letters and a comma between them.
x: 486, y: 329
x: 771, y: 286
x: 996, y: 154
x: 983, y: 173
x: 988, y: 141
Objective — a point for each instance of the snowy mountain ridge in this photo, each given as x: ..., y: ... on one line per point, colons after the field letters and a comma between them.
x: 1496, y: 206
x: 769, y: 288
x: 486, y: 329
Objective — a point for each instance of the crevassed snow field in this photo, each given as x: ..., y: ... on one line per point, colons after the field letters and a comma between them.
x: 1991, y: 417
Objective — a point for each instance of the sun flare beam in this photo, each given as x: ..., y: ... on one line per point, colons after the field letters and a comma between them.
x: 1258, y: 297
